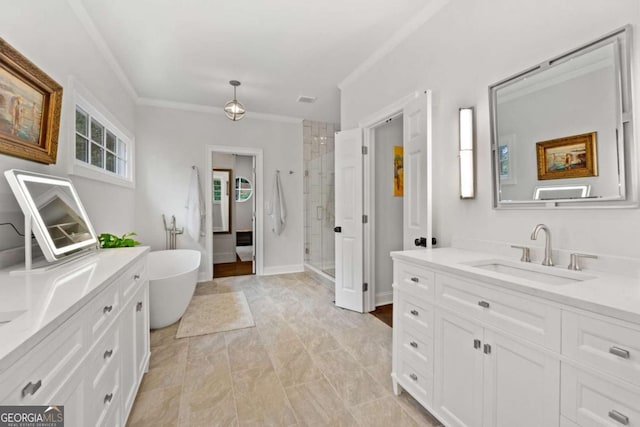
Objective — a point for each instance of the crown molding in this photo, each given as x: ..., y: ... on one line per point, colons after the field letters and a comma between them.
x: 88, y: 24
x: 207, y: 109
x: 398, y: 37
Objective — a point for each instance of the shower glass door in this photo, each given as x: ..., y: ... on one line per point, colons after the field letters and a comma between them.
x: 319, y: 196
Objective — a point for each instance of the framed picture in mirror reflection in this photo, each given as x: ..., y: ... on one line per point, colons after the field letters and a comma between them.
x: 568, y: 157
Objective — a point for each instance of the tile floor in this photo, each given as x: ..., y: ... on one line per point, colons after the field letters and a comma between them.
x: 305, y: 363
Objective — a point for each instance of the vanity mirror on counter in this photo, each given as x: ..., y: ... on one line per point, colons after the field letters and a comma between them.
x: 54, y: 212
x: 561, y: 131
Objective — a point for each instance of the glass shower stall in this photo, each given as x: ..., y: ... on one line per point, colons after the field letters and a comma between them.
x: 319, y: 185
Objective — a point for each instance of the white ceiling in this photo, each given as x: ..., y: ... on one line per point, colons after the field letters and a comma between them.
x: 187, y: 51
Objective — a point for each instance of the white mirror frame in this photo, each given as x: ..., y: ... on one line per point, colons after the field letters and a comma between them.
x: 629, y: 153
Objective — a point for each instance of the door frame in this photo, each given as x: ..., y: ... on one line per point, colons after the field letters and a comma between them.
x: 369, y: 124
x: 258, y: 241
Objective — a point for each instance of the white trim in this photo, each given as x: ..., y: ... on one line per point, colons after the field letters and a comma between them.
x: 82, y: 97
x: 398, y: 37
x: 384, y: 298
x: 88, y: 24
x: 391, y: 110
x: 259, y: 195
x: 207, y: 109
x: 282, y: 269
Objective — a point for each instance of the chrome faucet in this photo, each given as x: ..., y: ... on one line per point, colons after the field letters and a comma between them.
x: 547, y: 244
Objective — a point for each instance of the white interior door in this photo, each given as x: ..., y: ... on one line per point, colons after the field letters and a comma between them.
x: 348, y: 222
x: 417, y: 172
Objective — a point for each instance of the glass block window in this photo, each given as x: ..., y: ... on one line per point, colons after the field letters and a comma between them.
x: 98, y: 145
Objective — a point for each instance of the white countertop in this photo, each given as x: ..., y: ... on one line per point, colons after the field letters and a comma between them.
x: 608, y: 294
x: 45, y: 300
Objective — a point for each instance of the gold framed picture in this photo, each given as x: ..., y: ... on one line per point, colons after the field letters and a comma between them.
x: 568, y: 157
x: 30, y: 105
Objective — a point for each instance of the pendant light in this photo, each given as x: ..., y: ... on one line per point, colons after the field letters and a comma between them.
x: 234, y: 109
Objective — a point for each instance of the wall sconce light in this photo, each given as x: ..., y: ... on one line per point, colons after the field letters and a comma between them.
x: 467, y: 158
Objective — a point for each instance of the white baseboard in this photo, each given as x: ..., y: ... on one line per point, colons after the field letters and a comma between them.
x: 282, y: 269
x: 384, y: 298
x: 222, y: 257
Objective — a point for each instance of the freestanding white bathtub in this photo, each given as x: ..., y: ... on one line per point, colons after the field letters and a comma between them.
x: 172, y: 281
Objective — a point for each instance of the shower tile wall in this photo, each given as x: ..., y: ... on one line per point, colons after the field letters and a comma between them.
x: 319, y: 217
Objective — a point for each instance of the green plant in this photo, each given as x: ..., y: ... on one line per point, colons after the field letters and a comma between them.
x: 112, y: 241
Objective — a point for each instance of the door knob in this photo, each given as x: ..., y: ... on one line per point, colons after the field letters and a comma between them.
x: 337, y: 229
x: 421, y: 241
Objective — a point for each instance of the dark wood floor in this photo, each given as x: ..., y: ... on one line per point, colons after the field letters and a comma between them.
x: 384, y: 313
x: 238, y: 268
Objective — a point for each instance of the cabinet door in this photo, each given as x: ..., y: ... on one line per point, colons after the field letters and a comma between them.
x: 129, y: 369
x: 458, y: 370
x: 141, y: 303
x: 135, y: 344
x: 521, y: 384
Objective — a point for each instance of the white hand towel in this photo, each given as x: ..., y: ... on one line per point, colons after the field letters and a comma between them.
x: 195, y: 207
x: 278, y: 209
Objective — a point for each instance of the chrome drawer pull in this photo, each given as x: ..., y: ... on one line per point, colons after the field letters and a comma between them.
x: 413, y: 344
x: 107, y: 309
x: 136, y: 276
x: 620, y: 352
x: 31, y: 388
x: 108, y: 397
x: 108, y: 353
x: 415, y: 279
x: 477, y: 344
x: 415, y: 312
x: 139, y: 306
x: 621, y: 418
x: 483, y: 304
x: 413, y: 377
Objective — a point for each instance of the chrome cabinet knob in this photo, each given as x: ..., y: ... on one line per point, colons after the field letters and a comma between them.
x: 107, y: 309
x: 415, y: 280
x: 415, y: 312
x: 413, y: 344
x: 413, y: 377
x: 107, y: 354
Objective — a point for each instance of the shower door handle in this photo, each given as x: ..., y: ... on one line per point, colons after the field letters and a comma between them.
x: 338, y: 229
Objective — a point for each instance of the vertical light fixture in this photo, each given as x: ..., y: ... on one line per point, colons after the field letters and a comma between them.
x: 467, y: 160
x: 234, y: 109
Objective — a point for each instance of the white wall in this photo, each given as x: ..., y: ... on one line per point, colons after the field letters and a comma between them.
x: 388, y: 209
x: 49, y: 35
x: 170, y: 141
x: 463, y: 49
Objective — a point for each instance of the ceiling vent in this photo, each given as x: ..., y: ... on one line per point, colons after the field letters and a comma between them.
x: 307, y: 99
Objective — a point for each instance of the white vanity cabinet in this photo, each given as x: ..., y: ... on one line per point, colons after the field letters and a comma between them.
x: 92, y: 356
x: 494, y: 356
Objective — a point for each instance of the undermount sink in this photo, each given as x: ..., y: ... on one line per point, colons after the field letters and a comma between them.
x: 8, y: 316
x: 533, y: 272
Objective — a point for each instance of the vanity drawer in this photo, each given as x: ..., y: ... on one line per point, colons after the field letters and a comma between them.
x: 416, y: 381
x: 610, y: 347
x: 524, y: 316
x: 415, y: 280
x: 102, y: 311
x: 103, y: 357
x: 591, y: 401
x: 105, y: 398
x: 132, y: 279
x: 417, y: 348
x: 37, y: 377
x: 416, y: 315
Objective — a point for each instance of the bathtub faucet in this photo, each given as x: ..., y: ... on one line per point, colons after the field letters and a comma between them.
x: 171, y: 232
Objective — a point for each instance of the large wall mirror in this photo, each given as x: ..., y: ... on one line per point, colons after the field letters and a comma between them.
x: 221, y: 199
x: 561, y: 132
